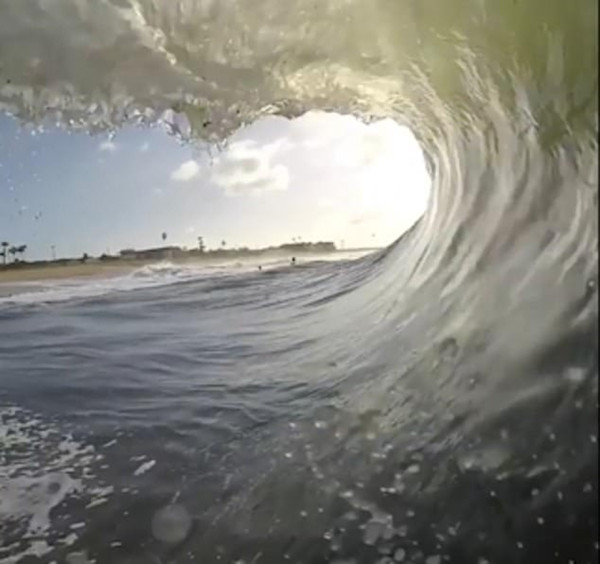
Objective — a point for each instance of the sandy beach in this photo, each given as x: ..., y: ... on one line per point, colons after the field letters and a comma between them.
x: 59, y: 272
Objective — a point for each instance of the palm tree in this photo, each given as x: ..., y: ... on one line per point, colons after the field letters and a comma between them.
x: 4, y: 246
x: 223, y: 244
x: 13, y: 251
x: 21, y: 250
x: 201, y: 244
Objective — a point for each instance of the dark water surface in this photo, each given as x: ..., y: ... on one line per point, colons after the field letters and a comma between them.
x: 433, y: 403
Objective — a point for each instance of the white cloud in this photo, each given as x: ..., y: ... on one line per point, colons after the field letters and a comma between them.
x: 247, y: 168
x: 107, y: 146
x: 186, y: 171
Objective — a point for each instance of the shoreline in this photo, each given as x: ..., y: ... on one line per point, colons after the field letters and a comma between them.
x: 27, y: 273
x: 59, y: 272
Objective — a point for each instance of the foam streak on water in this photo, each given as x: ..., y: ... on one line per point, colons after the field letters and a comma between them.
x: 40, y: 468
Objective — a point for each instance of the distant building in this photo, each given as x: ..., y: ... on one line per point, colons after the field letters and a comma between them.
x: 320, y: 247
x: 159, y: 253
x: 172, y: 252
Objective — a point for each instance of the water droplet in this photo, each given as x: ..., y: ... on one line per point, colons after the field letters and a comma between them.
x: 77, y: 558
x: 171, y: 524
x: 399, y: 555
x: 575, y: 374
x: 449, y: 348
x: 53, y: 487
x: 373, y: 530
x: 350, y: 516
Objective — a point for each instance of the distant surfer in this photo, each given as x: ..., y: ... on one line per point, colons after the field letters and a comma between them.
x: 293, y: 261
x: 259, y: 267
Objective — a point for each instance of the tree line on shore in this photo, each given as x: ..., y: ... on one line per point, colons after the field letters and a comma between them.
x: 17, y: 251
x: 14, y: 254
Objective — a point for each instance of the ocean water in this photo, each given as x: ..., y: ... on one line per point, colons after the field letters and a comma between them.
x: 435, y: 402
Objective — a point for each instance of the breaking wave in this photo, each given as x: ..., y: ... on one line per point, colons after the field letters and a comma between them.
x: 436, y: 402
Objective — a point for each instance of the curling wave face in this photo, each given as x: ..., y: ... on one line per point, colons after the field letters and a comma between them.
x: 435, y: 402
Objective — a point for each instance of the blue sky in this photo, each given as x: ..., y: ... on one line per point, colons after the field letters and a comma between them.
x: 319, y: 177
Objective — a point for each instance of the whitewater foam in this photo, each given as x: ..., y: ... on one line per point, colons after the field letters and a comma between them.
x: 41, y: 468
x: 154, y: 275
x: 49, y: 291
